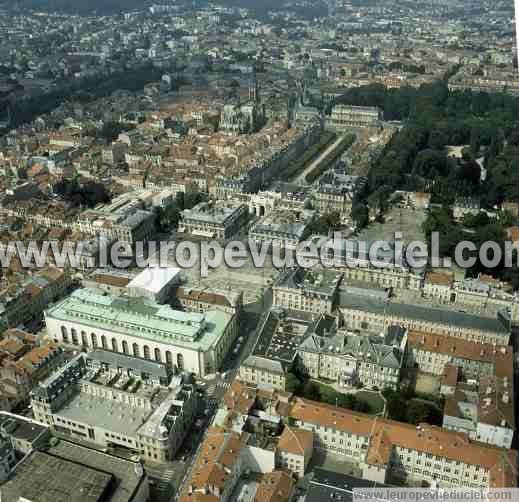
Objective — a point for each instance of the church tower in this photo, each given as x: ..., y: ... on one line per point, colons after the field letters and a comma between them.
x: 254, y: 91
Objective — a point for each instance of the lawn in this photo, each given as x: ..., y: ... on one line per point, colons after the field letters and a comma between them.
x: 374, y: 399
x: 363, y: 401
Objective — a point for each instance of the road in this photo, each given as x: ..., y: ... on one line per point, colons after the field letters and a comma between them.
x: 216, y: 386
x: 301, y: 178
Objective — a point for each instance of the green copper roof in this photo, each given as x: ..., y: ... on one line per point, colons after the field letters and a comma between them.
x: 140, y: 317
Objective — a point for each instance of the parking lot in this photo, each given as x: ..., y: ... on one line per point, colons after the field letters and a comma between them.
x: 249, y: 279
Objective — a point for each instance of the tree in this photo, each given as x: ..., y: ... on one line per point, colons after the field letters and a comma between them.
x: 311, y: 391
x: 292, y: 383
x: 191, y: 199
x: 326, y: 223
x: 419, y: 411
x: 360, y: 214
x: 430, y: 164
x: 111, y: 130
x: 89, y: 194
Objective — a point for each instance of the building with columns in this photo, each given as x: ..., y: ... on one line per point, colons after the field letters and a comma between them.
x: 192, y: 342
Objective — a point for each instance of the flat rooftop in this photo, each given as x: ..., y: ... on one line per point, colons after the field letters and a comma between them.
x: 42, y: 477
x: 215, y: 214
x: 154, y: 279
x: 329, y: 485
x: 105, y: 413
x: 322, y: 281
x: 124, y: 471
x: 20, y: 427
x: 281, y: 335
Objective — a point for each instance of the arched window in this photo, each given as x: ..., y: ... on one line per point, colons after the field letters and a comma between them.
x: 125, y: 347
x: 84, y: 339
x: 104, y: 343
x: 115, y: 347
x: 180, y: 361
x: 135, y: 348
x: 158, y: 357
x: 93, y: 337
x: 75, y: 339
x: 169, y: 358
x: 146, y: 352
x: 64, y: 334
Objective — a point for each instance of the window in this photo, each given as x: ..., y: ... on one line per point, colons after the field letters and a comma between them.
x: 125, y: 347
x: 104, y: 343
x: 93, y: 338
x: 135, y: 349
x: 115, y: 347
x: 75, y: 339
x: 64, y: 334
x: 146, y: 352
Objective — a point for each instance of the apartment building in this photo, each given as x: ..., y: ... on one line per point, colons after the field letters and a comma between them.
x: 307, y: 290
x: 375, y: 314
x: 433, y: 352
x: 396, y: 453
x: 294, y: 450
x: 221, y: 221
x: 125, y: 219
x: 118, y: 401
x: 257, y: 370
x: 7, y: 459
x: 217, y: 468
x: 283, y: 227
x: 24, y: 433
x: 203, y: 299
x: 483, y: 406
x: 22, y: 301
x: 277, y: 486
x: 484, y: 411
x: 336, y: 191
x: 23, y: 364
x: 360, y: 262
x: 438, y: 286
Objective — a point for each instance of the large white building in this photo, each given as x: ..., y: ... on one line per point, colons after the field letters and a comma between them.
x: 119, y: 401
x: 375, y: 314
x: 191, y: 342
x: 220, y: 221
x: 345, y: 117
x: 350, y: 358
x: 393, y: 452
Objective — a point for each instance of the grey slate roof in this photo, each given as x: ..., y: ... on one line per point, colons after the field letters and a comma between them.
x: 264, y: 363
x: 117, y: 360
x: 371, y: 348
x: 446, y: 317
